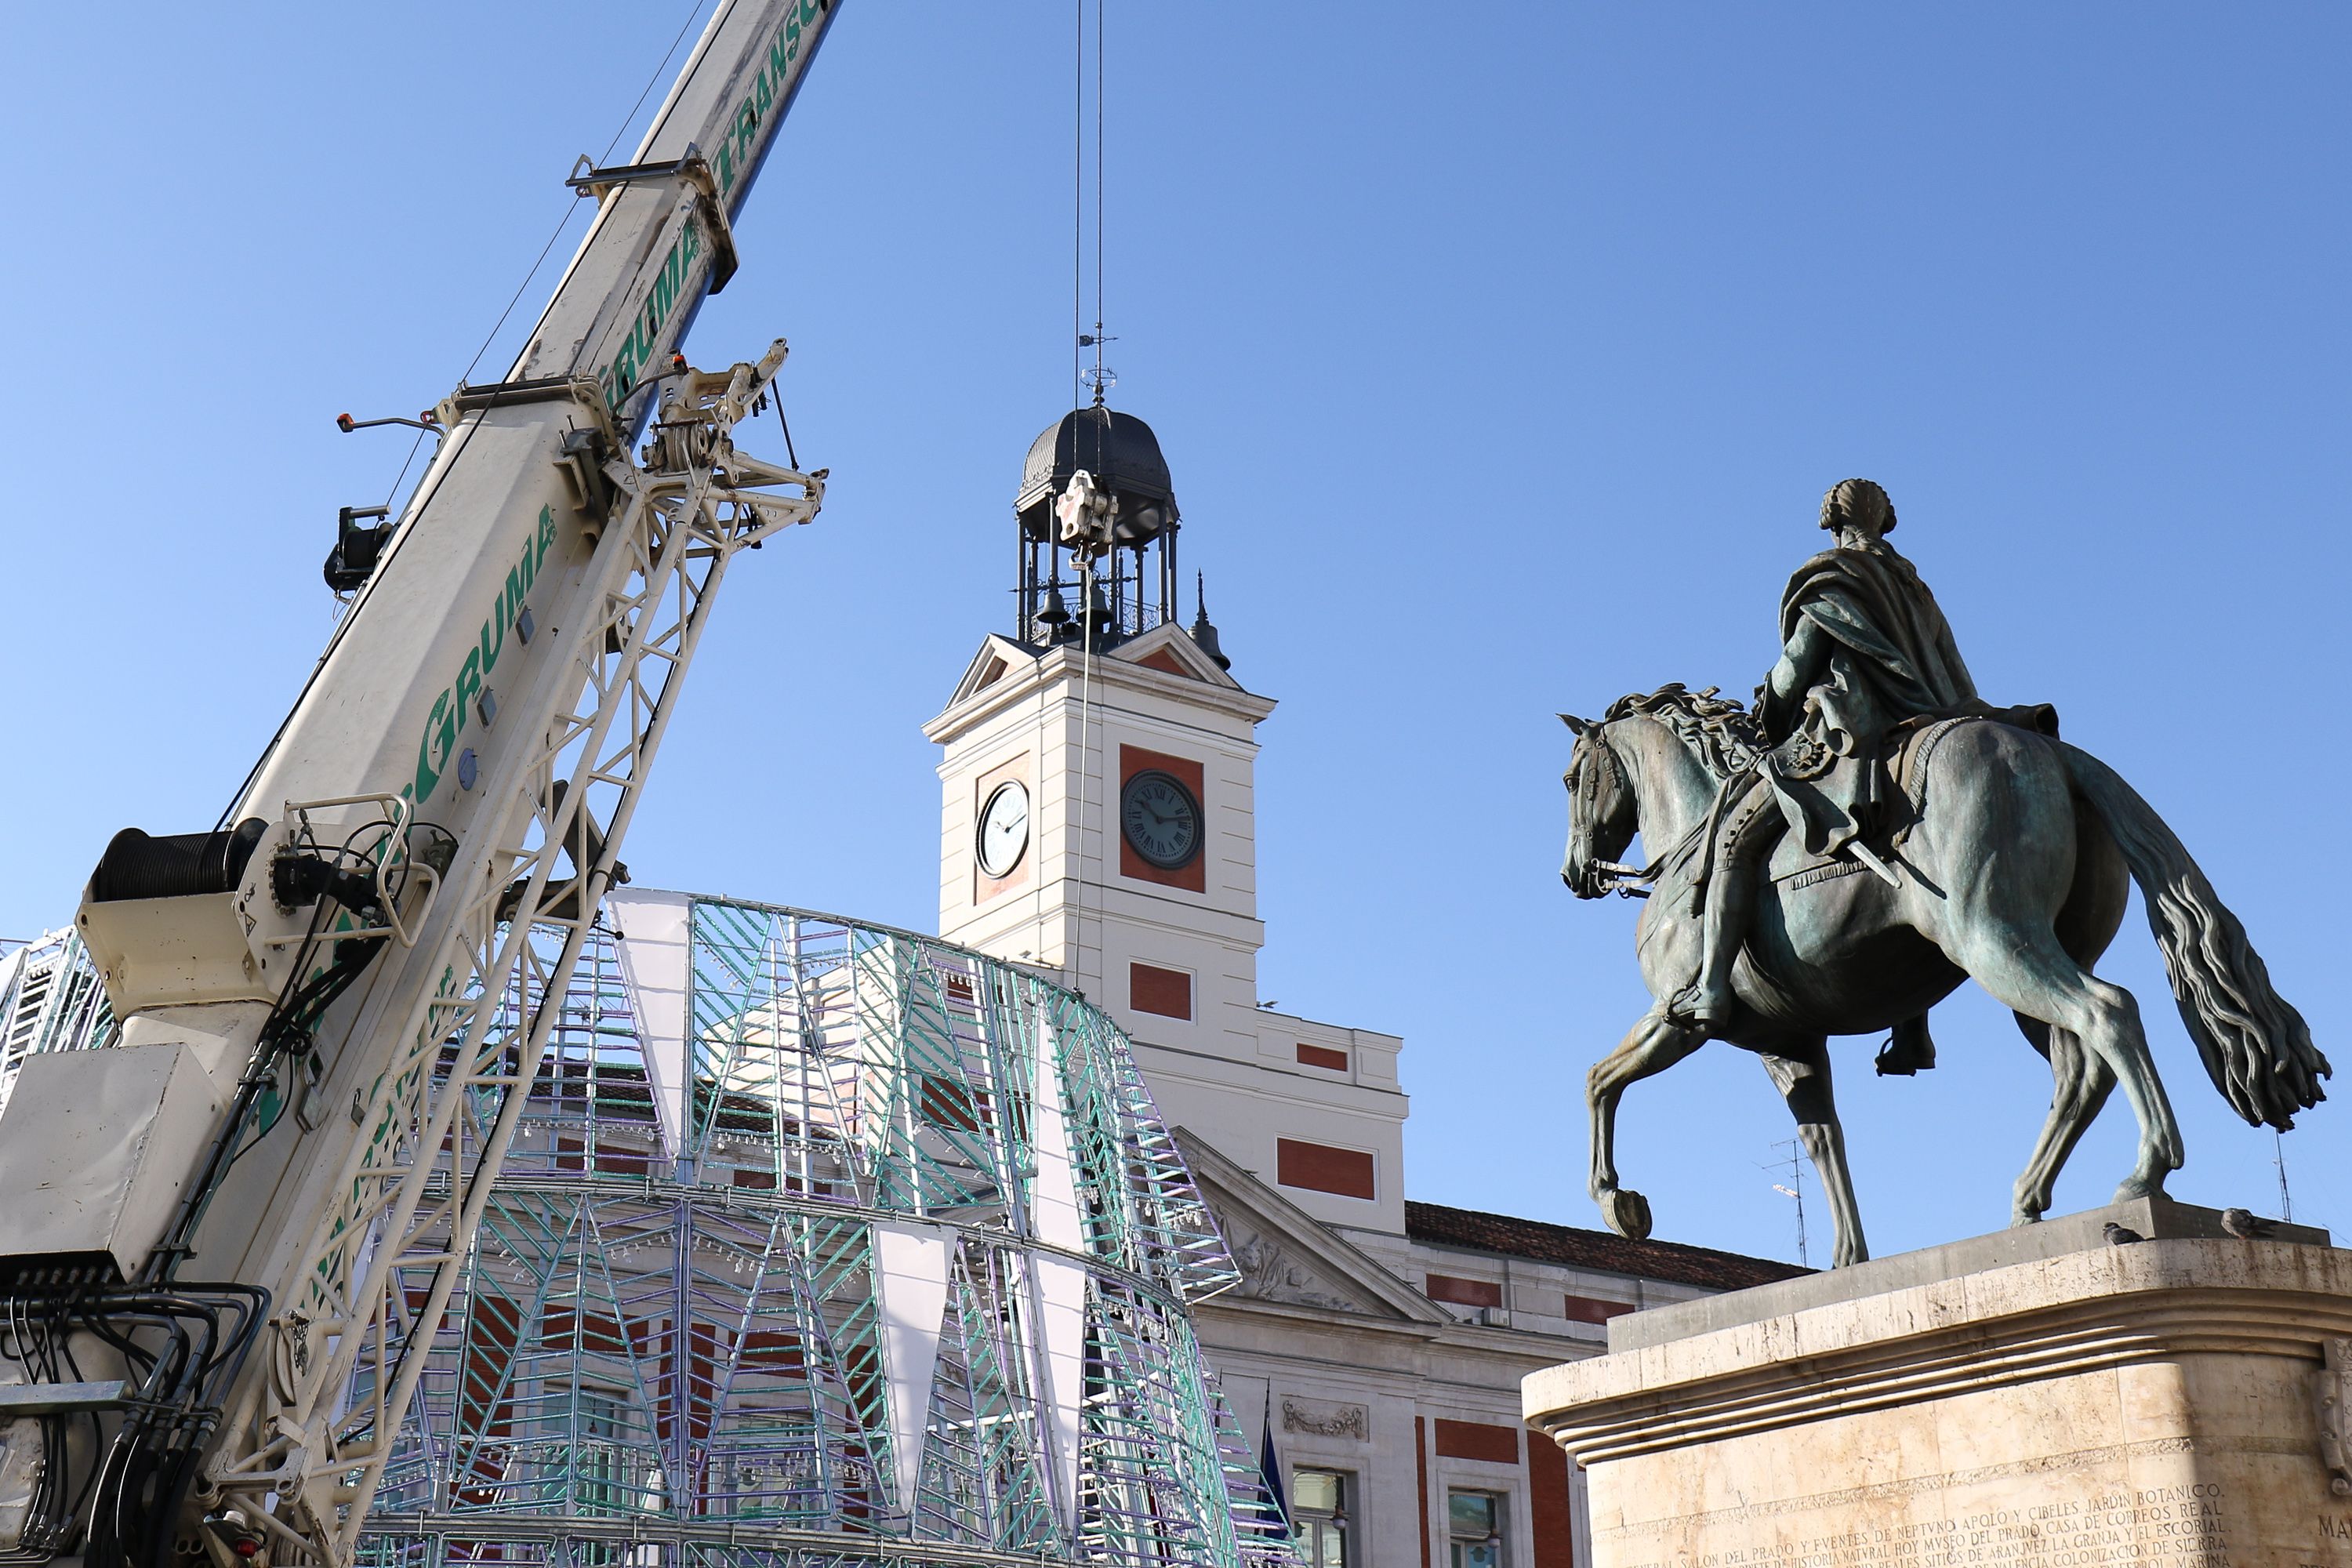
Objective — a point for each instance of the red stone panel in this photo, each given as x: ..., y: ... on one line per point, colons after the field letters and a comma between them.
x: 1548, y: 1504
x: 1591, y: 1309
x: 1320, y: 1168
x: 1463, y: 1292
x: 1167, y: 992
x: 1478, y: 1440
x: 1193, y: 874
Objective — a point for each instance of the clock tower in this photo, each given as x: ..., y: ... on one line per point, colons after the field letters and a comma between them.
x: 1099, y: 821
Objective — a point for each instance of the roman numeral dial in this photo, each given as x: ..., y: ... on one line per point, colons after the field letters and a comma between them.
x: 1160, y: 818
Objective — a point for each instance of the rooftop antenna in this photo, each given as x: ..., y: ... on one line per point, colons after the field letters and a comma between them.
x: 1796, y: 1191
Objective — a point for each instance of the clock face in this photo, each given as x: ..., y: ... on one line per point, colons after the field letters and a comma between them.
x: 1160, y: 818
x: 1004, y: 832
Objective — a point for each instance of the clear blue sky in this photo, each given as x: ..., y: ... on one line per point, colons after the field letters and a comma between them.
x: 1502, y: 354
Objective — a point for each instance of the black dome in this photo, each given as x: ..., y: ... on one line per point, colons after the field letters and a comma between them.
x: 1118, y: 449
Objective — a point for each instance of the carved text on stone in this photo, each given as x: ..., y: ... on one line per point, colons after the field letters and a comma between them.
x: 2159, y: 1527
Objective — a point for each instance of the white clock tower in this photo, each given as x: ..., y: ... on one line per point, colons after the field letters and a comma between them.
x: 1098, y: 820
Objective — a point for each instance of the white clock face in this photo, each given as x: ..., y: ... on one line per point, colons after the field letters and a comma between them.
x: 1003, y: 829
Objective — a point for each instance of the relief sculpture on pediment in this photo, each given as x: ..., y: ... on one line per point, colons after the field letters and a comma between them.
x: 1269, y: 1274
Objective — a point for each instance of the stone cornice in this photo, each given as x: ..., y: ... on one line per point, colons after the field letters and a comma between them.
x: 1027, y: 673
x: 2084, y: 1311
x: 1453, y: 1334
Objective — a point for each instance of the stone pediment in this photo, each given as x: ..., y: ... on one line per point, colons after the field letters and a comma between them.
x: 1288, y: 1256
x: 1169, y: 649
x: 998, y: 657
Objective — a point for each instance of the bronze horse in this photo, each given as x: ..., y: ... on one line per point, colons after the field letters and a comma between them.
x: 2012, y: 871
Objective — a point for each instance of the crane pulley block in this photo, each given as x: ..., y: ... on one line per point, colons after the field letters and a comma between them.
x: 692, y: 171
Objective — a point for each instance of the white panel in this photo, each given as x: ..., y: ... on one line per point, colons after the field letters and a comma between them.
x: 1061, y: 1289
x: 1053, y: 1200
x: 654, y: 967
x: 97, y: 1146
x: 912, y: 1264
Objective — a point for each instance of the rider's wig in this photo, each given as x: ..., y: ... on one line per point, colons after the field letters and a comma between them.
x: 1857, y: 501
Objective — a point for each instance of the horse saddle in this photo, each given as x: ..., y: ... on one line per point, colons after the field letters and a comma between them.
x: 1876, y: 793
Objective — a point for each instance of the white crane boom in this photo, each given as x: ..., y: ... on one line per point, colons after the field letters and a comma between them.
x: 221, y: 1237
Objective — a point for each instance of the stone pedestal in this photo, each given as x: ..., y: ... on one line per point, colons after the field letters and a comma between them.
x: 2034, y: 1399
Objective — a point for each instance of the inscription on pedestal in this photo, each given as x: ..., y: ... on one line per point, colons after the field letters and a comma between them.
x: 2162, y: 1527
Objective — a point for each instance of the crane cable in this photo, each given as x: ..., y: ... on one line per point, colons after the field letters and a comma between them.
x: 1090, y: 631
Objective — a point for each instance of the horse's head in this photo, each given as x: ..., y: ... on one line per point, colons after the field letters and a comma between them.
x: 1601, y: 809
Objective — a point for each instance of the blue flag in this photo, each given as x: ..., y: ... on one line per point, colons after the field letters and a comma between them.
x: 1270, y: 1465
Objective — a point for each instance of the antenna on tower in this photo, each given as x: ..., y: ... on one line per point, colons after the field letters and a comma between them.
x: 1795, y: 1190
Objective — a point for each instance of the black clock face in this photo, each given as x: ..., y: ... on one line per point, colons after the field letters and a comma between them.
x: 1161, y: 819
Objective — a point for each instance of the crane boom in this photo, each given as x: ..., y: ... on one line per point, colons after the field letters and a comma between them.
x: 331, y: 1007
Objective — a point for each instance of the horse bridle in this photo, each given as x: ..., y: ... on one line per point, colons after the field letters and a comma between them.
x: 1625, y: 881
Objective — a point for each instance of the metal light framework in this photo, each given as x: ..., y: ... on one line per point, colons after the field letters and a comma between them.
x: 50, y: 1000
x: 819, y: 1242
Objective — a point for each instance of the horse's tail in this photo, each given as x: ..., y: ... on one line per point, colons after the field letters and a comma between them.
x: 2255, y: 1045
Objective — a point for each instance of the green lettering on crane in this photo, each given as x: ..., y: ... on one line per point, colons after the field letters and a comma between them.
x: 468, y: 686
x: 518, y: 579
x: 441, y: 727
x: 494, y: 633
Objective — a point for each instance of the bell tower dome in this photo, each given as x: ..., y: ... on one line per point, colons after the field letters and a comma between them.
x: 1131, y: 551
x: 1099, y: 821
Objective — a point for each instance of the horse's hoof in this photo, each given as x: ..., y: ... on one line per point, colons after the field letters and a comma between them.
x: 2022, y: 1218
x: 2135, y: 1189
x: 1627, y: 1213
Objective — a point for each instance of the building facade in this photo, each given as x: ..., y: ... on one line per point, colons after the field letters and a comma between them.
x: 1098, y: 822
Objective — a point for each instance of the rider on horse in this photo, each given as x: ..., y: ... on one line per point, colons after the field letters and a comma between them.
x: 1864, y: 647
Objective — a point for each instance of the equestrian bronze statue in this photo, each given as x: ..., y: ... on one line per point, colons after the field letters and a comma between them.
x: 1837, y: 861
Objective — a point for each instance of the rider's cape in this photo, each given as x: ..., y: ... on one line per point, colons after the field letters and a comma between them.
x: 1895, y: 667
x: 1893, y: 640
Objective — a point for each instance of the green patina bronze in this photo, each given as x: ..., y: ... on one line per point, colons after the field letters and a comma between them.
x: 1872, y: 833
